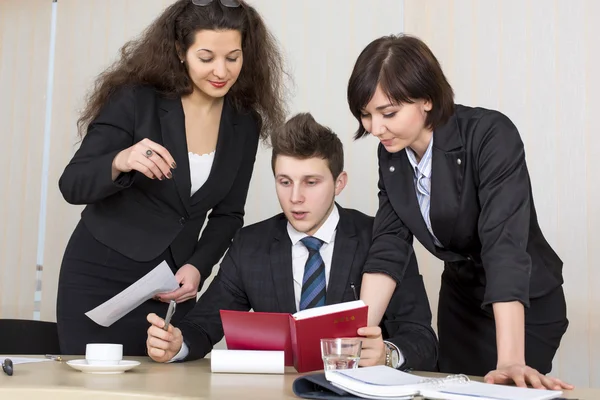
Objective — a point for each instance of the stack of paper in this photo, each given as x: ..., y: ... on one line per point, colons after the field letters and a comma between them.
x: 159, y: 280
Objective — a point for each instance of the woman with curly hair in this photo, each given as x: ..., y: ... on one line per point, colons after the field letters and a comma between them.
x: 169, y: 138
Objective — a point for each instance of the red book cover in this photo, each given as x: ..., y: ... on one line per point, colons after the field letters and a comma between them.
x: 258, y: 331
x: 298, y: 335
x: 307, y: 332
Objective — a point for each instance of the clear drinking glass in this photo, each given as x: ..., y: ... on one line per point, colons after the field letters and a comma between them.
x: 341, y: 353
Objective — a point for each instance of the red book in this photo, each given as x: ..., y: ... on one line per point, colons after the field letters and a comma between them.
x: 298, y: 335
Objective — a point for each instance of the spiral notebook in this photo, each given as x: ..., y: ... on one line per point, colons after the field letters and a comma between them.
x: 381, y: 382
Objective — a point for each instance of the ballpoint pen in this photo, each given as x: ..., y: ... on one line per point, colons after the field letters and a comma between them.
x: 7, y: 366
x: 53, y: 357
x: 170, y: 312
x: 354, y: 290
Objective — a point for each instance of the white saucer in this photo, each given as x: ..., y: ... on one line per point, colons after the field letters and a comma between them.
x: 122, y: 366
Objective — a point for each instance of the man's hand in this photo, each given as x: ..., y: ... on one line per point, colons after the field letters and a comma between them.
x: 373, y: 348
x: 162, y: 345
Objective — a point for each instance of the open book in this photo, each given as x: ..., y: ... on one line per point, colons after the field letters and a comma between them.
x: 381, y: 382
x: 298, y: 334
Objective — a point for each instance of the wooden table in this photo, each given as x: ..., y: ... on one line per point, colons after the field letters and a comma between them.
x: 190, y: 380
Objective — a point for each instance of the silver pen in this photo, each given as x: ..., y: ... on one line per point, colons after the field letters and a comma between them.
x: 170, y: 312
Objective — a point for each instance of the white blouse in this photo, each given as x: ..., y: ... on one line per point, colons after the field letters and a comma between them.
x: 200, y: 165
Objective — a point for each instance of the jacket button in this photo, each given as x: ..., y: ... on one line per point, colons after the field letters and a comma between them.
x: 392, y: 168
x: 182, y: 221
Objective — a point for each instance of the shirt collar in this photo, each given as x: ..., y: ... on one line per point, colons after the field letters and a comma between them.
x: 424, y: 166
x: 325, y: 233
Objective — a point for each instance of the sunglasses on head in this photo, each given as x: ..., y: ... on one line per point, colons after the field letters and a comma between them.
x: 225, y: 3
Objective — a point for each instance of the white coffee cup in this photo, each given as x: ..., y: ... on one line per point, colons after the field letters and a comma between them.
x: 103, y: 353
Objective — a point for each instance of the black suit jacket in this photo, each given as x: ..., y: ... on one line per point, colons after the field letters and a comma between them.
x: 256, y: 273
x: 141, y: 217
x: 482, y: 209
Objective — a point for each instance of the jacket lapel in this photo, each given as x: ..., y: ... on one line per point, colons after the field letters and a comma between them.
x: 342, y: 263
x: 281, y: 269
x: 172, y: 126
x: 226, y: 153
x: 447, y: 175
x: 398, y: 176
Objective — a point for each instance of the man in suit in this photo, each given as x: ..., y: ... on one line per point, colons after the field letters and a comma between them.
x: 264, y: 269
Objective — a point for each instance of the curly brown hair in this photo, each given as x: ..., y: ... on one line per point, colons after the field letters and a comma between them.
x: 153, y: 59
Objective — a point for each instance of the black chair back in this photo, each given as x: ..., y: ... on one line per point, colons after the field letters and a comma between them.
x: 21, y: 336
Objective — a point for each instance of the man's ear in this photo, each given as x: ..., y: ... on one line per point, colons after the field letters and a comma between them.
x: 340, y: 182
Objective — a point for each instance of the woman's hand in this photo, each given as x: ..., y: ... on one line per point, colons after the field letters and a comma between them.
x: 188, y: 277
x: 147, y: 157
x: 510, y: 339
x: 522, y: 375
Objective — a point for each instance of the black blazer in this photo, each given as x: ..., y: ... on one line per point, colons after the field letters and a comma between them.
x: 141, y: 217
x: 482, y: 209
x: 256, y: 273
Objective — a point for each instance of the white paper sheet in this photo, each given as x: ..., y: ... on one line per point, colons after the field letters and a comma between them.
x: 24, y: 360
x: 159, y: 280
x: 247, y: 361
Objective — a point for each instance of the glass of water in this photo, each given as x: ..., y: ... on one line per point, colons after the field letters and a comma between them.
x: 341, y: 353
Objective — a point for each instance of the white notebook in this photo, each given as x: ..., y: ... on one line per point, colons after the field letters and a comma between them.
x: 381, y: 382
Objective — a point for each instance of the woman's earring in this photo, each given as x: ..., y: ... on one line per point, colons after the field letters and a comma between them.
x: 181, y: 61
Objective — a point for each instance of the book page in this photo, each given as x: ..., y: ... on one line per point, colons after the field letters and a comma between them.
x: 330, y: 309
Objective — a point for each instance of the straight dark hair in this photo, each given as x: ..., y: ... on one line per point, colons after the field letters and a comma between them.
x: 302, y: 137
x: 407, y: 71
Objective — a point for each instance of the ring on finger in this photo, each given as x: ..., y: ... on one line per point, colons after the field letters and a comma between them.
x: 149, y: 153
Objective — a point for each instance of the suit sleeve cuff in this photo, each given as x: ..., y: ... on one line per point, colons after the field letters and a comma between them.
x: 125, y: 179
x: 506, y: 285
x: 183, y: 353
x: 401, y: 359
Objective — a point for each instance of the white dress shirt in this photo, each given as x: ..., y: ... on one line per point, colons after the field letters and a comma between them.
x: 422, y: 181
x: 300, y: 253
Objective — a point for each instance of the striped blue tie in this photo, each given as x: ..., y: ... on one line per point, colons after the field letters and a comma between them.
x: 313, y: 282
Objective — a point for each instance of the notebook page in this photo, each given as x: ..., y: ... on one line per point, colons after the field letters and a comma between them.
x: 375, y: 382
x: 486, y: 391
x: 372, y: 397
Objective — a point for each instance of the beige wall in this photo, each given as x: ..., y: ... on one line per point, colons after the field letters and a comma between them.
x: 24, y: 49
x: 538, y: 62
x: 533, y: 60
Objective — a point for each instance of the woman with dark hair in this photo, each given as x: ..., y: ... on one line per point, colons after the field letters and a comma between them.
x: 172, y: 130
x: 455, y: 178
